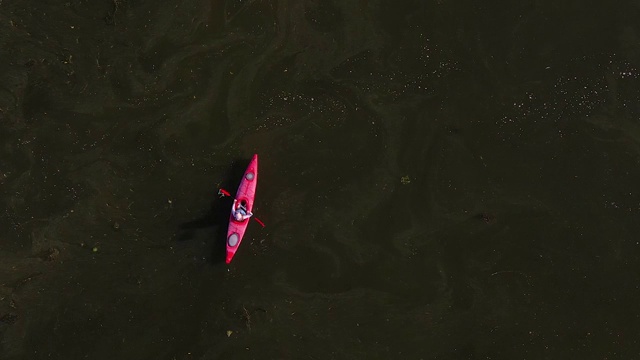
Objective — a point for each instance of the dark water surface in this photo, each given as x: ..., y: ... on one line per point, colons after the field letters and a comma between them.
x: 439, y: 179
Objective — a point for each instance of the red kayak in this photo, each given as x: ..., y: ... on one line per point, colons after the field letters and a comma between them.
x: 245, y: 195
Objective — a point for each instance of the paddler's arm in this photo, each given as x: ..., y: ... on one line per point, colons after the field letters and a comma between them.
x: 234, y: 209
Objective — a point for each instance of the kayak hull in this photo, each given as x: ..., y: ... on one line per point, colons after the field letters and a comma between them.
x: 245, y: 195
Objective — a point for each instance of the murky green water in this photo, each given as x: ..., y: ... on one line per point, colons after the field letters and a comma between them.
x: 439, y: 179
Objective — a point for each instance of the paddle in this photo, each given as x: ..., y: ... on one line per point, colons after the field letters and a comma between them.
x: 223, y: 193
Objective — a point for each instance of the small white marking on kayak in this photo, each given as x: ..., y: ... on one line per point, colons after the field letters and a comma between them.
x: 249, y: 176
x: 233, y: 240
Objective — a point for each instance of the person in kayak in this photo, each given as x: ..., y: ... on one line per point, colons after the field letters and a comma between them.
x: 239, y: 212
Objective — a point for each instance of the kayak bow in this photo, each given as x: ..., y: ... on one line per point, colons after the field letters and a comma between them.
x: 245, y: 196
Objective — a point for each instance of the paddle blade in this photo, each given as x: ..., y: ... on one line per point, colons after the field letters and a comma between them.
x: 259, y: 221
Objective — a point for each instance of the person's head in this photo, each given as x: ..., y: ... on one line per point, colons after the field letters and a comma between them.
x: 238, y: 216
